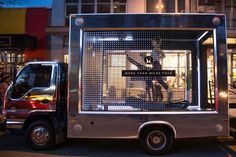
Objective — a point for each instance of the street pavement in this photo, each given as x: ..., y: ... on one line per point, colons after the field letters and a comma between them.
x: 12, y: 145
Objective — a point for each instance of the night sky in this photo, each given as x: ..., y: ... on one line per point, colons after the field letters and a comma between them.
x: 25, y: 3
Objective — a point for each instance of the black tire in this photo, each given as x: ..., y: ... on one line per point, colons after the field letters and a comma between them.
x: 39, y: 135
x: 156, y: 140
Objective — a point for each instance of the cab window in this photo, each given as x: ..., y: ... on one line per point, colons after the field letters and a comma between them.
x: 32, y: 76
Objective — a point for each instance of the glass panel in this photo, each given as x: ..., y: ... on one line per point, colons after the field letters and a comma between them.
x: 234, y: 14
x: 171, y: 62
x: 217, y: 6
x: 169, y: 8
x: 65, y: 58
x: 234, y: 3
x: 87, y: 8
x: 229, y: 70
x: 228, y: 3
x: 118, y: 60
x: 234, y: 69
x: 234, y: 23
x: 210, y: 77
x: 119, y: 8
x: 206, y: 2
x: 103, y: 1
x: 160, y: 6
x: 31, y: 77
x: 181, y: 6
x: 103, y: 8
x: 71, y: 9
x: 87, y: 1
x: 66, y: 41
x: 181, y: 78
x: 72, y: 1
x: 119, y: 1
x: 67, y: 21
x: 138, y: 70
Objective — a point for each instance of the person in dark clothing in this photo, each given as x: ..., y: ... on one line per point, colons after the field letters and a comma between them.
x: 157, y: 94
x: 157, y: 54
x: 148, y: 80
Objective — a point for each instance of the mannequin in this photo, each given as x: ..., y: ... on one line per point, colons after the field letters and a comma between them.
x: 157, y: 55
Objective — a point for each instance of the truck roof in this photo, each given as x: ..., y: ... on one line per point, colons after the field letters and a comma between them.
x: 43, y: 62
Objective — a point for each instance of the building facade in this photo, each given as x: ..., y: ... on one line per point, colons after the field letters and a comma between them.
x: 50, y: 27
x: 22, y: 38
x: 58, y: 28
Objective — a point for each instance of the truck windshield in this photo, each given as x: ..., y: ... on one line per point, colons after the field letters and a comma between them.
x: 31, y: 77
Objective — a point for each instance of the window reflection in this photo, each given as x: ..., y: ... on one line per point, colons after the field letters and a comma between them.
x: 160, y: 6
x: 31, y: 77
x: 92, y: 6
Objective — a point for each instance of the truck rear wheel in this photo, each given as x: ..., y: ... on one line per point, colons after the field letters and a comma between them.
x: 156, y: 141
x: 39, y: 135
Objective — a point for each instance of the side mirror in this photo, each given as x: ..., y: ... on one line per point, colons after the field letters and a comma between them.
x: 21, y: 81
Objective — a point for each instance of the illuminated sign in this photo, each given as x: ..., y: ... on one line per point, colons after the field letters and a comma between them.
x: 147, y: 73
x: 148, y: 60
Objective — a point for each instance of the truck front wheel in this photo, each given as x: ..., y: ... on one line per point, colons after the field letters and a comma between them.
x: 39, y: 135
x: 156, y: 141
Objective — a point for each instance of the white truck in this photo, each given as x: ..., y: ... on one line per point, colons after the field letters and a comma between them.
x: 144, y: 76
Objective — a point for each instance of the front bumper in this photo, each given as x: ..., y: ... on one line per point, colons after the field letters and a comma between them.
x: 14, y: 124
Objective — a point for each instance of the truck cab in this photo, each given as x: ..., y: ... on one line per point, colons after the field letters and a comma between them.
x: 33, y: 99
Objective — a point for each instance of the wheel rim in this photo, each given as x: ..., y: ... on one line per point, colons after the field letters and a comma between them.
x: 40, y: 135
x: 156, y: 140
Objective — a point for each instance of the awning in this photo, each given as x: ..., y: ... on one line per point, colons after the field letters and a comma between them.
x: 17, y: 42
x: 57, y: 30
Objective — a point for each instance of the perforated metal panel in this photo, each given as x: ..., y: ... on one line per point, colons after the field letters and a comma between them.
x: 106, y: 54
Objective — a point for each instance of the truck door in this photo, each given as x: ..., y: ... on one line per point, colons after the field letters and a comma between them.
x: 33, y: 89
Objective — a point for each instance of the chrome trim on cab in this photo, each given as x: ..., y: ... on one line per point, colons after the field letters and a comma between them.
x: 14, y: 124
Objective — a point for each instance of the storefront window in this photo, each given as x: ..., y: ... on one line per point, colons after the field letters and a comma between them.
x: 176, y: 61
x: 70, y: 9
x: 116, y: 83
x: 181, y: 6
x: 234, y: 69
x: 163, y: 6
x: 119, y: 6
x: 65, y: 58
x: 205, y: 3
x: 72, y: 1
x: 210, y: 76
x: 160, y: 6
x: 170, y: 62
x: 103, y: 8
x: 210, y: 63
x: 119, y: 1
x: 93, y: 6
x: 7, y: 61
x: 87, y: 6
x: 231, y: 66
